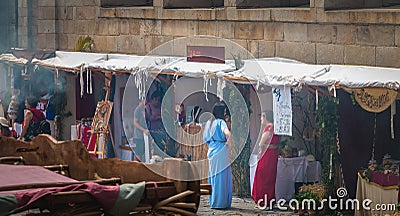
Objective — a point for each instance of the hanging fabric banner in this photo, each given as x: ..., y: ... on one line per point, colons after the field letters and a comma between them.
x: 375, y: 99
x: 282, y: 108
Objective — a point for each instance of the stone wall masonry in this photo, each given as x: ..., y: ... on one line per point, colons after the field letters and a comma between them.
x: 330, y: 54
x: 388, y: 56
x: 253, y: 48
x: 68, y: 26
x: 131, y: 43
x: 124, y: 26
x: 226, y: 29
x: 397, y: 37
x: 134, y: 27
x: 332, y: 16
x: 179, y: 28
x: 46, y: 3
x: 72, y: 39
x: 266, y: 49
x: 376, y: 35
x: 346, y: 34
x: 150, y: 27
x: 295, y: 32
x: 86, y: 13
x: 294, y: 15
x: 358, y: 55
x: 207, y: 28
x: 46, y: 26
x: 311, y: 35
x: 100, y: 44
x: 373, y: 17
x: 152, y: 44
x: 249, y: 30
x: 321, y: 33
x: 273, y: 31
x: 85, y: 27
x: 63, y: 42
x: 300, y: 51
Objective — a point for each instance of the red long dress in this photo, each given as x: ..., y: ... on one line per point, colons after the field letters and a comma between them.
x: 265, y: 176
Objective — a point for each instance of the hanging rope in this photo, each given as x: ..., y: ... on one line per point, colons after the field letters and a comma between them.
x: 91, y: 82
x: 392, y: 113
x: 342, y: 183
x: 87, y: 80
x: 316, y: 99
x: 374, y: 140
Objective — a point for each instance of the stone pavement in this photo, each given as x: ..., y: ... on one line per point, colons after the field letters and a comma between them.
x: 240, y: 206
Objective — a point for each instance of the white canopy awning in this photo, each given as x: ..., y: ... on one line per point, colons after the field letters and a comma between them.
x: 267, y: 71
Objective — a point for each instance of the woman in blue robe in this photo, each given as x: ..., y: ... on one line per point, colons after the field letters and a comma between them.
x: 220, y: 173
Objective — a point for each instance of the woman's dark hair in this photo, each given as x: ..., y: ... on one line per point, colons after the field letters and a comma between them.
x: 32, y: 101
x: 218, y: 110
x: 155, y: 95
x: 5, y: 131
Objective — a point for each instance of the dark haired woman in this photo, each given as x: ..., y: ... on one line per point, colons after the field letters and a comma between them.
x: 265, y: 176
x: 32, y: 115
x: 216, y: 135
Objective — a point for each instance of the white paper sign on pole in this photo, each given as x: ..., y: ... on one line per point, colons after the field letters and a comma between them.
x: 282, y: 108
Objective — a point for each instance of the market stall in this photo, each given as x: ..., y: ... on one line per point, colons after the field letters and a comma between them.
x: 273, y: 72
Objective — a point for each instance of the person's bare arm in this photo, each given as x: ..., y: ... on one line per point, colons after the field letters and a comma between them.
x: 137, y: 125
x: 27, y: 120
x: 227, y: 135
x: 266, y: 137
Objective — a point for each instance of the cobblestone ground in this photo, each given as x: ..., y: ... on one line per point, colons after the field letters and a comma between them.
x: 240, y: 206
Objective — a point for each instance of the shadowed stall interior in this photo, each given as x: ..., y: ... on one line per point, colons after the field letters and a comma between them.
x: 356, y: 135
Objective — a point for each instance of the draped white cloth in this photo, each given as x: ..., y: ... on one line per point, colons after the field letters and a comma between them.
x: 290, y: 171
x: 268, y: 71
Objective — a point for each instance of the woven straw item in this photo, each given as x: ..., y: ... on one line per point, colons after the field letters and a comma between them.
x: 318, y: 189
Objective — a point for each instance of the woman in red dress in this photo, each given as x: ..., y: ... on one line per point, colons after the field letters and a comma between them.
x: 265, y: 176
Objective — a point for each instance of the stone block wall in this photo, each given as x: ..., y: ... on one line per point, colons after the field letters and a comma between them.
x: 308, y: 34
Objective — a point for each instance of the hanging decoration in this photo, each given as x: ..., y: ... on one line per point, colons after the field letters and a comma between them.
x: 374, y: 99
x: 87, y: 80
x: 332, y: 89
x: 141, y: 76
x: 220, y: 88
x: 89, y: 87
x: 81, y: 80
x: 205, y: 83
x: 392, y: 113
x: 90, y: 83
x: 316, y: 99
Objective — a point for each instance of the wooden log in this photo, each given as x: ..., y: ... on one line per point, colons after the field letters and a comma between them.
x: 183, y: 205
x: 60, y: 169
x: 177, y: 210
x: 205, y: 188
x: 12, y: 160
x: 159, y: 193
x: 205, y: 192
x: 71, y: 197
x: 173, y: 198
